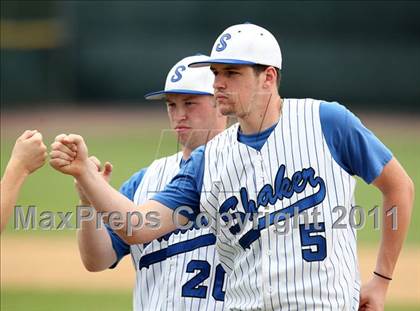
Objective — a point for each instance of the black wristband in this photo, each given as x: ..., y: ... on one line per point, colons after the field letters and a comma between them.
x: 382, y: 276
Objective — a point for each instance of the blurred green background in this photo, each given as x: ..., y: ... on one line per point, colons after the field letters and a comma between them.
x: 83, y: 66
x: 129, y: 152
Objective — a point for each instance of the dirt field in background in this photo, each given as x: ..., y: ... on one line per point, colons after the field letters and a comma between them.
x: 39, y: 262
x: 84, y: 121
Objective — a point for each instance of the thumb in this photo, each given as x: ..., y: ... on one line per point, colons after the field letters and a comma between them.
x: 74, y: 139
x: 362, y: 300
x: 78, y: 142
x: 36, y: 136
x: 107, y: 169
x: 28, y: 134
x: 96, y: 161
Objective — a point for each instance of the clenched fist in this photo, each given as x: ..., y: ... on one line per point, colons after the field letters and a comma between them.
x: 69, y: 155
x: 29, y: 152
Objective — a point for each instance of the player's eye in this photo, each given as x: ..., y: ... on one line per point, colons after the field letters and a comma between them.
x: 170, y: 105
x: 189, y: 103
x: 232, y: 73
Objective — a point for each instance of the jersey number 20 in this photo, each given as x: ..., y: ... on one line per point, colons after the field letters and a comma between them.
x: 193, y: 288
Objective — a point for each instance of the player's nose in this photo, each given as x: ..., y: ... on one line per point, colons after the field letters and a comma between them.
x: 219, y: 83
x: 180, y: 114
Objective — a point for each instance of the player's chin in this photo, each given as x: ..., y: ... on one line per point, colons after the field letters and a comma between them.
x: 183, y: 137
x: 225, y: 109
x: 192, y: 143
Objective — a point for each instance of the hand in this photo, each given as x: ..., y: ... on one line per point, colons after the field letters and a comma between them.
x: 105, y: 172
x: 372, y: 294
x: 29, y: 152
x: 69, y: 155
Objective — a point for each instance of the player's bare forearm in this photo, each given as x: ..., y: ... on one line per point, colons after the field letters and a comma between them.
x: 29, y: 154
x: 94, y: 243
x: 107, y: 200
x: 398, y: 193
x: 11, y: 183
x: 95, y: 246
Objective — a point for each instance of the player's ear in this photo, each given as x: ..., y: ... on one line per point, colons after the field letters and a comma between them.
x: 270, y: 77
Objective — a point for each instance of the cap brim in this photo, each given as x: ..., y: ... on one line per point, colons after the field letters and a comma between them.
x: 161, y: 94
x: 221, y: 61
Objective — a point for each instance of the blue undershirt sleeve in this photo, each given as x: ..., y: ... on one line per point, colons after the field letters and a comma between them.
x: 128, y: 189
x: 355, y: 148
x: 184, y: 190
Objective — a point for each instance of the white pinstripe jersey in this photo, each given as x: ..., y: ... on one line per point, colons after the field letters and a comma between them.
x: 180, y: 271
x: 308, y: 268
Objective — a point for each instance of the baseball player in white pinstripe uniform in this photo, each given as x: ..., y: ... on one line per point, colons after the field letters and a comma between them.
x: 179, y: 271
x: 285, y: 159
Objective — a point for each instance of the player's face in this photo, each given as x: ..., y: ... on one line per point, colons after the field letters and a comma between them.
x: 236, y: 88
x: 192, y: 116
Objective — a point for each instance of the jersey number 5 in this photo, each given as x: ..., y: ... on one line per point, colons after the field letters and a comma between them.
x: 310, y: 237
x: 193, y: 288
